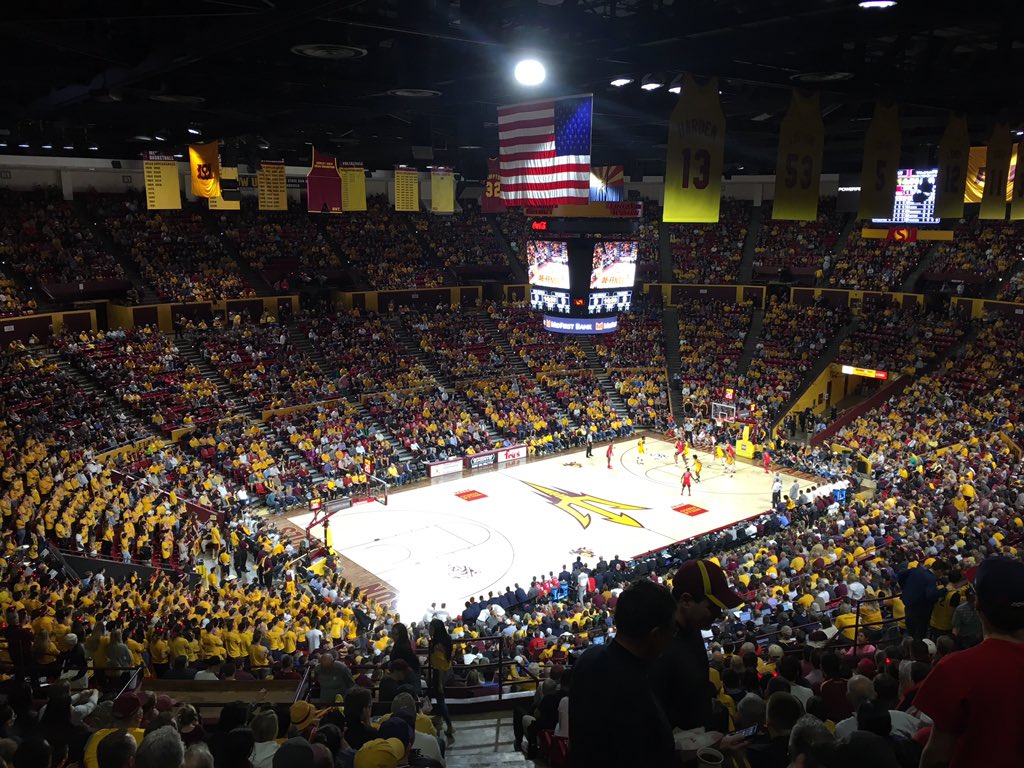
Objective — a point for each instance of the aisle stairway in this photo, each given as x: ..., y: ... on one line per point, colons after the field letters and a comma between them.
x: 603, y: 379
x: 259, y: 283
x: 131, y: 270
x: 518, y: 270
x: 750, y: 342
x: 746, y: 274
x: 673, y: 362
x: 929, y: 258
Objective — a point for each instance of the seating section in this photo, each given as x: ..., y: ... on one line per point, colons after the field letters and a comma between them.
x: 516, y: 229
x: 711, y: 338
x: 13, y: 301
x: 637, y: 343
x: 430, y: 424
x: 516, y: 407
x: 980, y: 252
x: 456, y: 341
x: 179, y: 257
x: 579, y: 394
x: 645, y: 392
x: 145, y: 370
x: 383, y: 246
x: 648, y: 258
x: 711, y: 253
x: 874, y: 265
x: 1012, y: 289
x: 537, y: 348
x: 800, y: 246
x: 464, y: 242
x: 898, y: 340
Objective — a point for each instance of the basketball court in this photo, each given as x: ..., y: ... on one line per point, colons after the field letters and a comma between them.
x: 468, y: 535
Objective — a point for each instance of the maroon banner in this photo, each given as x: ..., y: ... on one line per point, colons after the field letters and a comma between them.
x: 490, y: 200
x: 323, y: 185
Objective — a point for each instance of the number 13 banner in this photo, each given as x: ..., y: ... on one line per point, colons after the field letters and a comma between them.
x: 696, y: 145
x: 490, y: 200
x: 881, y: 163
x: 798, y: 172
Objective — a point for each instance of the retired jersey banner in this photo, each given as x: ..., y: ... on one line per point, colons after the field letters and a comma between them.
x: 696, y: 146
x: 407, y: 189
x: 442, y: 190
x: 798, y: 168
x: 1017, y: 179
x: 952, y: 176
x: 490, y: 200
x: 160, y: 173
x: 323, y: 185
x: 353, y: 186
x: 997, y: 174
x: 881, y: 162
x: 976, y: 161
x: 607, y: 184
x: 272, y: 186
x: 230, y: 197
x: 204, y: 163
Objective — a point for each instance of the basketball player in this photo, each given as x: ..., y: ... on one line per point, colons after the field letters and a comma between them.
x: 730, y: 464
x: 641, y: 451
x: 687, y: 490
x: 767, y: 459
x: 697, y: 467
x: 720, y: 453
x: 680, y: 449
x: 610, y: 452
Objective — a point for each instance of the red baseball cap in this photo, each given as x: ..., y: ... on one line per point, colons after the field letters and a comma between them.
x: 702, y: 578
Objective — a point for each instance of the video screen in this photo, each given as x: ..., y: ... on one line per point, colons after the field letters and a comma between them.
x: 614, y: 265
x: 550, y: 301
x: 915, y: 198
x: 610, y: 302
x: 548, y: 262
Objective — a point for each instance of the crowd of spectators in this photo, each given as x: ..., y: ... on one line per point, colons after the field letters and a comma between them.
x: 636, y: 343
x: 516, y: 407
x: 711, y: 338
x: 802, y: 244
x: 516, y: 229
x: 456, y: 341
x: 872, y: 265
x: 537, y: 348
x: 464, y: 242
x: 648, y: 256
x: 711, y: 253
x: 980, y: 251
x: 13, y: 302
x: 898, y: 340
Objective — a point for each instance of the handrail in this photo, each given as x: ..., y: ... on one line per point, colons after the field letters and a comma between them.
x: 131, y: 684
x: 304, y: 683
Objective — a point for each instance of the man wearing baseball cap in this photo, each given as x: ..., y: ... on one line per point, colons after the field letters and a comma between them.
x: 973, y: 696
x: 680, y: 676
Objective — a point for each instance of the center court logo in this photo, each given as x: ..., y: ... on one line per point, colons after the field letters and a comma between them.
x: 580, y: 505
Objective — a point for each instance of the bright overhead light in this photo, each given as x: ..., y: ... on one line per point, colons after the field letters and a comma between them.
x: 530, y: 72
x: 3, y: 143
x: 676, y: 86
x: 23, y: 146
x: 178, y: 155
x: 47, y: 146
x: 194, y: 131
x: 93, y: 148
x: 69, y: 146
x: 651, y: 82
x: 618, y: 82
x: 876, y: 4
x: 158, y: 137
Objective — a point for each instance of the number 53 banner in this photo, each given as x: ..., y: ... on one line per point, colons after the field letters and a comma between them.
x: 696, y: 145
x: 798, y: 172
x: 881, y: 163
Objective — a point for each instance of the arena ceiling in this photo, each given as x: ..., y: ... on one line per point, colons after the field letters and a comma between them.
x: 388, y: 81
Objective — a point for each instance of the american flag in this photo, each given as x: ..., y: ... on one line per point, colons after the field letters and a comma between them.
x: 545, y: 151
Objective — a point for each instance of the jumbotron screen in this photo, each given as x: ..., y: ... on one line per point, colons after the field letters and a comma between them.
x: 614, y: 265
x: 915, y: 198
x: 548, y: 262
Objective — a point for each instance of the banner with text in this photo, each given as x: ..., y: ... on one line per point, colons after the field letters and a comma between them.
x: 353, y: 186
x: 407, y: 189
x: 163, y: 190
x: 798, y: 167
x: 977, y: 159
x: 230, y: 197
x: 696, y: 146
x: 997, y: 173
x: 323, y: 185
x: 490, y: 200
x: 272, y: 186
x: 952, y: 176
x: 1017, y: 203
x: 442, y: 190
x: 204, y: 165
x: 881, y: 163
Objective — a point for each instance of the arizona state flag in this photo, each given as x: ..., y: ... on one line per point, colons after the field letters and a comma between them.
x: 204, y: 162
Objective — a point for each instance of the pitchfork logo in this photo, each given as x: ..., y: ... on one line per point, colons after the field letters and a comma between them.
x: 204, y: 171
x: 580, y: 506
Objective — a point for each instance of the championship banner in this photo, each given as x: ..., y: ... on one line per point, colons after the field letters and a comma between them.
x: 163, y: 190
x: 407, y: 189
x: 696, y: 146
x: 607, y: 184
x: 798, y: 167
x: 976, y: 162
x: 952, y: 176
x: 353, y: 186
x: 204, y: 164
x: 881, y: 162
x: 272, y: 186
x: 442, y: 190
x: 1017, y: 203
x: 490, y: 200
x: 997, y: 173
x: 323, y: 185
x: 230, y: 197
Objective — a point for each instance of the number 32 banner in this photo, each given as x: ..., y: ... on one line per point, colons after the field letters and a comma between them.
x: 798, y: 172
x: 881, y: 163
x: 490, y: 200
x: 696, y: 145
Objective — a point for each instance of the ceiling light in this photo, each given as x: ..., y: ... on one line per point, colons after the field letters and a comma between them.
x: 178, y: 155
x: 618, y: 82
x: 23, y: 146
x: 158, y: 137
x: 93, y: 148
x: 876, y: 4
x: 1020, y: 133
x: 676, y: 86
x: 47, y: 146
x: 69, y: 146
x: 194, y: 131
x: 3, y: 143
x: 530, y: 72
x: 651, y: 82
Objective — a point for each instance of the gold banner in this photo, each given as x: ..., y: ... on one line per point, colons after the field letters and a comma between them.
x: 204, y: 165
x: 696, y: 145
x: 407, y: 189
x: 997, y: 174
x: 976, y: 161
x: 442, y: 190
x: 230, y: 197
x: 881, y: 163
x: 798, y: 168
x: 272, y: 186
x: 353, y: 186
x: 163, y: 190
x: 952, y: 178
x: 1017, y: 203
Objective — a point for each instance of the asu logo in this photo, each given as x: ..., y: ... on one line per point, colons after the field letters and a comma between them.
x: 204, y: 171
x: 580, y: 505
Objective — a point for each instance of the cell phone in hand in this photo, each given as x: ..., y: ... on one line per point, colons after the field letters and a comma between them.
x: 746, y: 733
